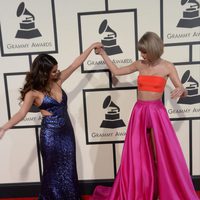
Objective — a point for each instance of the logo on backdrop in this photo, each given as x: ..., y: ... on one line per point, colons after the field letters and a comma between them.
x: 185, y: 26
x: 108, y: 28
x: 192, y: 87
x: 106, y: 115
x: 112, y: 116
x: 25, y: 30
x: 109, y: 39
x: 191, y: 17
x: 27, y: 25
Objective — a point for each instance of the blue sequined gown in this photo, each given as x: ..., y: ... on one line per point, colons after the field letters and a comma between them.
x: 59, y: 181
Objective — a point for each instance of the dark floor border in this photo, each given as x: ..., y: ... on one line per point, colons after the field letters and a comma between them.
x: 15, y: 190
x: 196, y: 182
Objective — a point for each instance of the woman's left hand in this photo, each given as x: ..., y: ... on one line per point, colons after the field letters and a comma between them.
x: 178, y: 92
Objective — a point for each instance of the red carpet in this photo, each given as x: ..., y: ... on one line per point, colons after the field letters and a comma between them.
x: 198, y: 194
x: 85, y: 197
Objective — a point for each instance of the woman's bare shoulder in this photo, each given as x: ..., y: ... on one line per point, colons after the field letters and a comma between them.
x: 167, y: 63
x: 141, y: 65
x: 169, y: 66
x: 33, y: 93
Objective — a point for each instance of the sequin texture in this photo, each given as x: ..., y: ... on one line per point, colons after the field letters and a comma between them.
x: 60, y: 180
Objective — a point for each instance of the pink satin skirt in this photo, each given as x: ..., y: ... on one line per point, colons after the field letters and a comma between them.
x: 151, y: 167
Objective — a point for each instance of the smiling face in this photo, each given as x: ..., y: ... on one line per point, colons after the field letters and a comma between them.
x: 54, y: 74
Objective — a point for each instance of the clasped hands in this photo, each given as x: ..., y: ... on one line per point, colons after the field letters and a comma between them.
x: 99, y: 50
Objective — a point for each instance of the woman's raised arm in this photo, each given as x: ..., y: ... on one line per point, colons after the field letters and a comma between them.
x: 78, y: 61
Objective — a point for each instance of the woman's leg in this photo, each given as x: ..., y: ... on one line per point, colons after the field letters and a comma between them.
x: 153, y: 146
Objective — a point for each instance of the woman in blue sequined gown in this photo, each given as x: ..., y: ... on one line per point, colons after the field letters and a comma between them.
x: 57, y: 140
x: 42, y: 88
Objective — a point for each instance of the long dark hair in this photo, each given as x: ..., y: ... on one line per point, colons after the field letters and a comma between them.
x: 38, y: 77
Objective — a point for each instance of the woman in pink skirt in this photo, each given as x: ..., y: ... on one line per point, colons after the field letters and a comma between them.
x: 152, y: 163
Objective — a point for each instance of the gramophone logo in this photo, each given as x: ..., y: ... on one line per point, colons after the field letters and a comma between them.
x: 192, y: 87
x: 191, y: 16
x: 112, y: 117
x: 27, y: 25
x: 109, y: 39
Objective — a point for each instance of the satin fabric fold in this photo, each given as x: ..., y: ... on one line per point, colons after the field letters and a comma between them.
x: 141, y: 176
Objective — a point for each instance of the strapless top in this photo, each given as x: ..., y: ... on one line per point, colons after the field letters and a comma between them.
x: 151, y: 83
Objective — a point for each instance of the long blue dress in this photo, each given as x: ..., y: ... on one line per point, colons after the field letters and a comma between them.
x: 60, y: 180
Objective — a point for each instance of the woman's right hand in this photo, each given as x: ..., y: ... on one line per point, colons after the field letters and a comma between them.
x: 2, y: 132
x: 178, y: 92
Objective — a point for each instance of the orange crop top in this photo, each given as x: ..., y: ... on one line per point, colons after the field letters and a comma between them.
x: 151, y: 83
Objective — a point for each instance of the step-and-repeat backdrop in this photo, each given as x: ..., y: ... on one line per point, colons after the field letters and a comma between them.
x: 99, y: 104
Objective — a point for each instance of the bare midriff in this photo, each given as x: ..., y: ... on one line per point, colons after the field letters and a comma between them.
x: 149, y: 96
